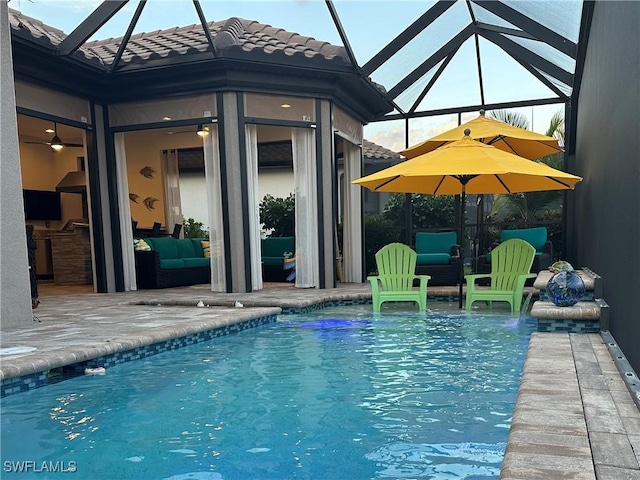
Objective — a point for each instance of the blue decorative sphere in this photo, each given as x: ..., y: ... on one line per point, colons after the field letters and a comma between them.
x: 565, y: 289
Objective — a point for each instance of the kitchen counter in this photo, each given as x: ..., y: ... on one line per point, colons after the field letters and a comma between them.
x: 71, y: 256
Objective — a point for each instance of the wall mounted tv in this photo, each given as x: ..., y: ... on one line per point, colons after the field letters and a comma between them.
x: 42, y: 205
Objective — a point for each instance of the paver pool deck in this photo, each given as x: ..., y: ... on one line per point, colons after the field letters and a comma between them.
x: 574, y: 417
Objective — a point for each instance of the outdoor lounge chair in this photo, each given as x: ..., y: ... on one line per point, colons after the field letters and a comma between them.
x: 438, y: 257
x: 537, y: 237
x: 510, y: 265
x: 396, y: 264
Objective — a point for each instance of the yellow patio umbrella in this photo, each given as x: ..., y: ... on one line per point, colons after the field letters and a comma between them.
x: 467, y: 166
x: 503, y: 136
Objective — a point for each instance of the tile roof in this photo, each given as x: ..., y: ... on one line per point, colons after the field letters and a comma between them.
x: 279, y: 154
x: 371, y: 150
x: 35, y: 28
x: 232, y: 38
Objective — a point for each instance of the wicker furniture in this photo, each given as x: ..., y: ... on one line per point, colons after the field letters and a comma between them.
x: 438, y: 255
x: 273, y: 250
x: 172, y: 263
x: 537, y: 237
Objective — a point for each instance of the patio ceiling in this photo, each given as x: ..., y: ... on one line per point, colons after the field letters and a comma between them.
x: 492, y: 54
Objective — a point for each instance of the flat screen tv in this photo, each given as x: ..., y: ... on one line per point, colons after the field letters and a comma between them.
x: 42, y: 205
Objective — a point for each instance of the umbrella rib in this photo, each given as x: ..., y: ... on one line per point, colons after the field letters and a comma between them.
x: 502, y: 183
x: 505, y: 139
x: 506, y: 142
x: 560, y: 182
x: 387, y: 182
x: 435, y: 190
x: 464, y: 179
x: 546, y: 144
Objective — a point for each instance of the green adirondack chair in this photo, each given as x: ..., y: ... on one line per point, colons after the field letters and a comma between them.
x: 510, y: 265
x: 396, y: 264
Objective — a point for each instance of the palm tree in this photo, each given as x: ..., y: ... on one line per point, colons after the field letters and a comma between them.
x: 526, y: 207
x: 556, y: 127
x: 516, y: 119
x: 530, y: 206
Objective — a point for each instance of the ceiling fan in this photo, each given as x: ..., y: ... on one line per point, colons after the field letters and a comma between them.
x: 56, y: 143
x: 201, y: 131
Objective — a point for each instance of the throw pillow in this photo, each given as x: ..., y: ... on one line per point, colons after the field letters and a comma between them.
x: 206, y: 248
x: 140, y: 245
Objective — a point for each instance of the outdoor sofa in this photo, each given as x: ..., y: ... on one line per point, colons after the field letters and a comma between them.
x: 172, y: 262
x: 273, y: 252
x: 438, y: 257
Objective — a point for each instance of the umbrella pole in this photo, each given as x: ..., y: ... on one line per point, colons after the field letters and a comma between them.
x: 463, y: 204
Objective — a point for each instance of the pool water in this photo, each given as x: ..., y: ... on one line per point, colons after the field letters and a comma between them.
x: 339, y: 394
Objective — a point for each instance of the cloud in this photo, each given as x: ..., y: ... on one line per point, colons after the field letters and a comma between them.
x: 392, y: 134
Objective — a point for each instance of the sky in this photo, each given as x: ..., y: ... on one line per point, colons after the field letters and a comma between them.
x: 369, y: 24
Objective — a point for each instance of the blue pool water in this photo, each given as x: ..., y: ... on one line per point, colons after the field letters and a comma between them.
x: 341, y: 394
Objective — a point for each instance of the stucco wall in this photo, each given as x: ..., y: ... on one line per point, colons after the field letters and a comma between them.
x: 607, y: 202
x: 144, y: 149
x: 15, y: 309
x: 193, y: 194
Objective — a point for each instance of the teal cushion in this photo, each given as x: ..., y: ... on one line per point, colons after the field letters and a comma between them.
x: 185, y: 248
x: 536, y: 236
x: 172, y: 263
x: 196, y: 262
x: 166, y: 246
x: 197, y: 246
x: 273, y: 260
x: 435, y: 242
x: 433, y: 259
x: 277, y: 246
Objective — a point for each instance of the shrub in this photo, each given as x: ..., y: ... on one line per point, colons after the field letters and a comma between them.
x: 193, y: 229
x: 379, y: 230
x: 427, y: 211
x: 278, y: 215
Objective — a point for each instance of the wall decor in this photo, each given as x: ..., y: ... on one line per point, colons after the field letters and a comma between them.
x: 147, y: 172
x: 150, y: 202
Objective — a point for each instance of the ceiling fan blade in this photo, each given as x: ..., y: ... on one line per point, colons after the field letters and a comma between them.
x: 180, y: 133
x: 70, y: 145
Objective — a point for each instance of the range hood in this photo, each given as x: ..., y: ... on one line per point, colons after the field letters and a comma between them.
x: 73, y: 182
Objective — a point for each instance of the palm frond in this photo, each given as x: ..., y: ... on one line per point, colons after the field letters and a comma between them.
x: 510, y: 117
x: 525, y: 206
x: 556, y: 127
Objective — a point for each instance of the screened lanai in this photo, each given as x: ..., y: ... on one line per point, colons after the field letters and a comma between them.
x: 429, y: 58
x: 403, y: 75
x: 405, y: 70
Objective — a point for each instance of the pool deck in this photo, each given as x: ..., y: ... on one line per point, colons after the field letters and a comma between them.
x: 574, y: 417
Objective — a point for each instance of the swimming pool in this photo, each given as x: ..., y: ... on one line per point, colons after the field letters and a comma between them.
x: 340, y: 394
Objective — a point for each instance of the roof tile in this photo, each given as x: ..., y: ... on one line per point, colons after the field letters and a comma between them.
x: 229, y: 35
x: 374, y: 151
